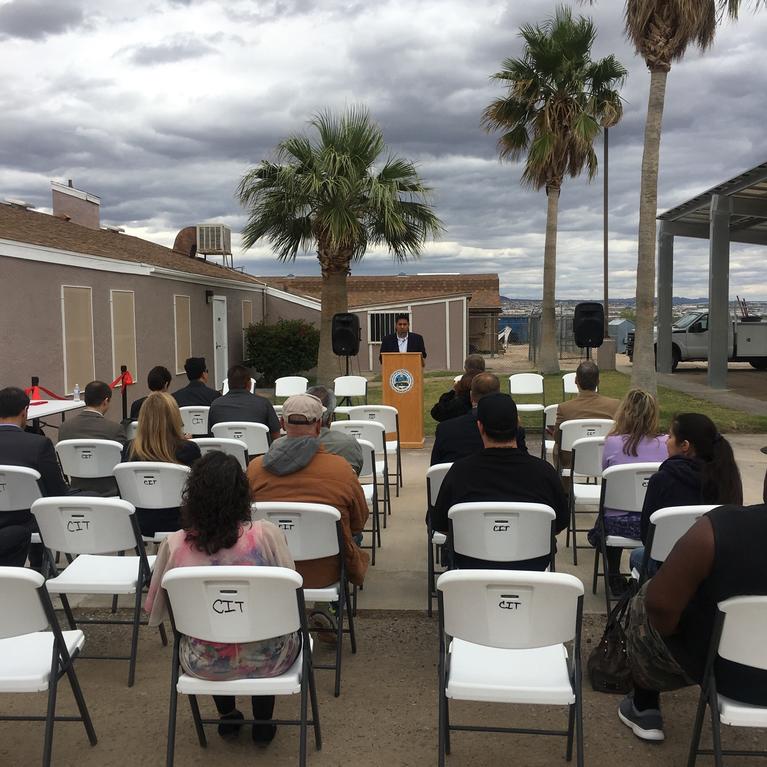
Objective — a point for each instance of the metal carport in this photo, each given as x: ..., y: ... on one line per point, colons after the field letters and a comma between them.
x: 733, y: 211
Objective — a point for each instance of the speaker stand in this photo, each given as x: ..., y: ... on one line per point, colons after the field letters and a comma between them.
x: 348, y: 400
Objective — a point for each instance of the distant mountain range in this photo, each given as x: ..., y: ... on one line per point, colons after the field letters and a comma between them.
x: 613, y: 301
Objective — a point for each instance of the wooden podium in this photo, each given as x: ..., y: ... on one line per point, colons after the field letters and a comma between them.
x: 402, y: 384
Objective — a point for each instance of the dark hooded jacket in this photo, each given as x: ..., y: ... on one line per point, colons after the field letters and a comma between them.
x: 678, y: 482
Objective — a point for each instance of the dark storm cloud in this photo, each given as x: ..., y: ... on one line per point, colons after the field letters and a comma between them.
x: 161, y: 161
x: 37, y: 19
x: 169, y: 52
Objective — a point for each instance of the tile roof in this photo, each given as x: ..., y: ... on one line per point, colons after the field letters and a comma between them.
x: 49, y: 231
x: 371, y: 291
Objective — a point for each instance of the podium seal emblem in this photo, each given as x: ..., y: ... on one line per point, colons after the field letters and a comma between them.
x: 401, y: 381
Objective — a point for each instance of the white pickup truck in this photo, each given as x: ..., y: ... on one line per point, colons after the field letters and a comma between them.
x: 747, y: 340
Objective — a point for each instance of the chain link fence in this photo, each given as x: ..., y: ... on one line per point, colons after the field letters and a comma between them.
x: 564, y: 334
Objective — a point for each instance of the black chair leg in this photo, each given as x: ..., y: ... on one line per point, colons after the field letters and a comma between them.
x: 81, y: 705
x: 195, y: 706
x: 315, y: 708
x: 50, y: 718
x: 134, y: 639
x: 700, y: 713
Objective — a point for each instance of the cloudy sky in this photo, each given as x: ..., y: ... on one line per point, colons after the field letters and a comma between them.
x: 160, y: 106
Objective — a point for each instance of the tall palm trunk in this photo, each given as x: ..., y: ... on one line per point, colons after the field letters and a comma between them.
x: 333, y: 300
x: 643, y: 374
x: 549, y: 362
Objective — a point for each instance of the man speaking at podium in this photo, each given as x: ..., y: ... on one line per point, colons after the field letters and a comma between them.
x: 403, y: 340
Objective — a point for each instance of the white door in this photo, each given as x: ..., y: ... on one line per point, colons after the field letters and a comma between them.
x: 220, y: 344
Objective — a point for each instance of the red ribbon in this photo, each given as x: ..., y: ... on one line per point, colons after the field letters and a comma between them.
x: 124, y: 379
x: 33, y: 392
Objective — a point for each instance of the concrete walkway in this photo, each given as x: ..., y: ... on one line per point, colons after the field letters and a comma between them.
x: 398, y: 580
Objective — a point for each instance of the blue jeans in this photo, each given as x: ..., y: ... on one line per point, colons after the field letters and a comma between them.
x: 637, y: 555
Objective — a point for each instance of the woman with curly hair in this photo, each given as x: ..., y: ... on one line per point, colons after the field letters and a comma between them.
x: 160, y: 437
x: 217, y: 530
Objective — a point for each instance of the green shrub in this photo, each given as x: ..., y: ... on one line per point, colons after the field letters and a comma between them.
x: 287, y: 348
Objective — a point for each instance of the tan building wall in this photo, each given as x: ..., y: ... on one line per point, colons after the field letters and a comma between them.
x: 31, y: 321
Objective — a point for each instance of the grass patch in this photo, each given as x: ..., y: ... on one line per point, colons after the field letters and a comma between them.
x: 611, y: 384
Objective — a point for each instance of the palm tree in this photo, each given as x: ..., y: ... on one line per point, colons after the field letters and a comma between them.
x: 558, y: 101
x: 661, y: 31
x: 338, y: 192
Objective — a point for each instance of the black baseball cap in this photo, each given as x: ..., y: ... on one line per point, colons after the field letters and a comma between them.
x: 498, y: 415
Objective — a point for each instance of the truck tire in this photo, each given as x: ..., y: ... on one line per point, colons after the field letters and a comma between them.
x: 760, y: 363
x: 676, y: 356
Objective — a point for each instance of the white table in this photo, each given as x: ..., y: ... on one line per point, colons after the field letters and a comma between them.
x: 53, y: 407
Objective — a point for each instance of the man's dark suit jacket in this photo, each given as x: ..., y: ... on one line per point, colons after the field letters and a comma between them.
x: 414, y: 344
x: 458, y: 437
x: 195, y: 393
x: 88, y: 424
x: 20, y: 448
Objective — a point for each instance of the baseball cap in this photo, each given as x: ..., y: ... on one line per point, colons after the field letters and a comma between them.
x: 302, y: 408
x: 498, y: 414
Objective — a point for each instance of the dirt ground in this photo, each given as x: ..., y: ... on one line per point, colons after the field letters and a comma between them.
x: 386, y: 715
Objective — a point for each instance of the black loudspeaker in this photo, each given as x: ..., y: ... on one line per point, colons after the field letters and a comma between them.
x: 346, y: 334
x: 589, y: 324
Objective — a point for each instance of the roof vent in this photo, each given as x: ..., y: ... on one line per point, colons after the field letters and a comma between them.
x: 19, y: 203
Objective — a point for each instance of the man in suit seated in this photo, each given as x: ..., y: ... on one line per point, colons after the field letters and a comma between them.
x: 22, y: 448
x: 458, y: 437
x: 196, y: 392
x: 91, y: 423
x: 403, y: 340
x: 499, y: 472
x: 158, y: 379
x: 238, y: 404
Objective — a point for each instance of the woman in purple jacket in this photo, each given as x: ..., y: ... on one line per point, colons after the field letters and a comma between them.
x: 633, y: 439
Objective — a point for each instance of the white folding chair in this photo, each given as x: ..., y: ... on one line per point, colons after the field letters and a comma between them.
x: 550, y: 418
x: 93, y: 528
x: 623, y: 489
x: 152, y: 485
x: 254, y: 435
x: 233, y: 447
x: 389, y: 417
x: 370, y: 489
x: 225, y: 387
x: 375, y: 432
x: 195, y: 420
x: 739, y: 636
x: 19, y: 490
x: 500, y: 531
x: 88, y: 458
x: 502, y: 640
x: 434, y: 540
x: 568, y: 385
x: 667, y: 526
x: 586, y: 454
x: 530, y: 385
x: 579, y: 428
x: 268, y: 602
x: 287, y: 386
x: 313, y: 531
x: 346, y: 387
x: 130, y: 431
x: 35, y: 653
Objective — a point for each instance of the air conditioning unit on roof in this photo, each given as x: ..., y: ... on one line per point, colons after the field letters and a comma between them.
x: 214, y: 240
